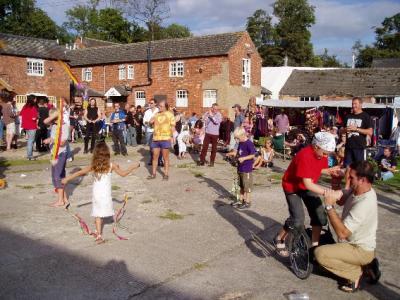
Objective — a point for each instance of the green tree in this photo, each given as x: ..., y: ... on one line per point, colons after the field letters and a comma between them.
x: 329, y: 61
x: 22, y: 17
x: 387, y: 44
x: 81, y: 19
x: 294, y: 38
x: 176, y: 31
x: 260, y: 28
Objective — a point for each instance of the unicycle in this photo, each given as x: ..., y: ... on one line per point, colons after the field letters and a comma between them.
x: 299, y: 244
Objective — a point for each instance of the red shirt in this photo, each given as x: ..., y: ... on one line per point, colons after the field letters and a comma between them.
x: 305, y: 164
x: 27, y: 115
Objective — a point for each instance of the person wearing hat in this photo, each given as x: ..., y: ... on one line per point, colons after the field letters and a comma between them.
x: 300, y: 185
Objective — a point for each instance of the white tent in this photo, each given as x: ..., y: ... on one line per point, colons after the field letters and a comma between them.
x: 311, y: 104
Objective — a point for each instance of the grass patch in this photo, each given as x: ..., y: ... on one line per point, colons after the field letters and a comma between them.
x: 200, y: 266
x: 146, y: 201
x: 115, y: 187
x: 25, y: 187
x: 171, y: 215
x: 185, y: 165
x: 21, y: 162
x: 197, y: 173
x: 276, y: 176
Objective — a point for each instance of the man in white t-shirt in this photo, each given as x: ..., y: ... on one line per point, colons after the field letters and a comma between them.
x: 148, y: 115
x: 356, y: 229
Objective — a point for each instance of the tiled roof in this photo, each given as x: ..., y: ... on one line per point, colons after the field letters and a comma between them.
x: 202, y: 46
x: 343, y: 82
x: 31, y: 47
x: 90, y: 43
x: 386, y: 63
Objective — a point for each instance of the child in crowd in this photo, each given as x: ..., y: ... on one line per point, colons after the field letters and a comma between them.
x: 245, y: 154
x: 101, y: 168
x: 183, y: 140
x: 266, y: 156
x: 58, y: 164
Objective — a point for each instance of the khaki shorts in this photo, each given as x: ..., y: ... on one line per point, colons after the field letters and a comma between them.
x: 246, y: 182
x: 11, y: 128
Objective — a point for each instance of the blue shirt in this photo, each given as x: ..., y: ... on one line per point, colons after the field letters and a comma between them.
x: 118, y: 116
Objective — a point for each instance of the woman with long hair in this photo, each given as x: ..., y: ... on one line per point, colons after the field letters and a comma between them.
x: 164, y: 127
x: 92, y: 116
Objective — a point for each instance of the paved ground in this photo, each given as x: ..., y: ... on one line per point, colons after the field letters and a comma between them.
x: 208, y: 253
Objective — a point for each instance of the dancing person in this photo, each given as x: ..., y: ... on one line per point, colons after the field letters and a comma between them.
x: 163, y: 123
x: 101, y: 169
x: 118, y: 127
x: 58, y: 166
x: 356, y: 229
x: 212, y: 120
x: 300, y: 185
x: 183, y: 139
x: 29, y: 115
x: 92, y: 116
x: 8, y: 120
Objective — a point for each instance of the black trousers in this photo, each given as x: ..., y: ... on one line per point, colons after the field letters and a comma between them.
x: 139, y: 134
x: 41, y: 134
x: 91, y: 134
x: 118, y: 140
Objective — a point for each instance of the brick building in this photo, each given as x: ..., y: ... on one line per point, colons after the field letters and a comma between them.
x: 191, y: 73
x: 32, y: 66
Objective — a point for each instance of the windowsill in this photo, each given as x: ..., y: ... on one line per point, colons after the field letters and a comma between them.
x: 36, y: 75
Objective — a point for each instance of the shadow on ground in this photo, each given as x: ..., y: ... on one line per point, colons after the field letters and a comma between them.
x: 31, y: 269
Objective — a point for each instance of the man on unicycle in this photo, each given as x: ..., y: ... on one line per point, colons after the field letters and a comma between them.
x: 300, y: 185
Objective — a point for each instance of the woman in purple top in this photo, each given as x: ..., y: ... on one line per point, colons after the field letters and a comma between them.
x: 245, y: 154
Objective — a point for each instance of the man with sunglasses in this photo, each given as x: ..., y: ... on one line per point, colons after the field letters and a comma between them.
x: 300, y: 185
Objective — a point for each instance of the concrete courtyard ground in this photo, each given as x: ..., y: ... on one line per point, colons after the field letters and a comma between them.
x: 185, y: 240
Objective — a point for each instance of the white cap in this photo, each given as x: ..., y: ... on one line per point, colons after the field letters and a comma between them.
x: 324, y: 140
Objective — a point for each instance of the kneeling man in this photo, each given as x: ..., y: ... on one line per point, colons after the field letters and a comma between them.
x: 356, y: 230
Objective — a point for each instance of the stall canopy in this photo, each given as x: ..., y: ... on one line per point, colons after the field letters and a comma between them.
x: 311, y: 104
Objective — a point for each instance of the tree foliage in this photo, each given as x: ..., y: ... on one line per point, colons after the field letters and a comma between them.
x: 22, y: 17
x: 387, y: 44
x: 290, y: 36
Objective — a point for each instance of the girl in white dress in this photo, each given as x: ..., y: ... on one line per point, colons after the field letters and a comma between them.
x: 101, y: 169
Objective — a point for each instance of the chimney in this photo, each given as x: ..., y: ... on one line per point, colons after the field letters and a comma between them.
x: 285, y: 61
x: 353, y: 60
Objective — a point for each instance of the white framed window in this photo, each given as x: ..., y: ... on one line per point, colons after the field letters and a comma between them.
x: 34, y: 67
x: 121, y: 72
x: 131, y: 72
x: 309, y: 98
x: 182, y: 98
x: 176, y: 69
x: 140, y: 98
x: 87, y: 74
x: 246, y: 68
x: 384, y: 100
x: 209, y: 97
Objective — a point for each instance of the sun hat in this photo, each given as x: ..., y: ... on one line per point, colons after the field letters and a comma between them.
x: 325, y: 141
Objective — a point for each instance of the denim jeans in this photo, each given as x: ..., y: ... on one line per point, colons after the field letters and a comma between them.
x: 131, y: 136
x: 386, y: 175
x: 31, y: 135
x: 1, y: 130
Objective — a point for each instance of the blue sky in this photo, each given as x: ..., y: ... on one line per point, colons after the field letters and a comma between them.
x: 339, y: 23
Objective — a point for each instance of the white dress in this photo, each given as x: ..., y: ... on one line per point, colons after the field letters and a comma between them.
x: 102, y: 205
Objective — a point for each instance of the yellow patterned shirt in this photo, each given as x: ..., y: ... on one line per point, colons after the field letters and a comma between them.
x: 163, y: 124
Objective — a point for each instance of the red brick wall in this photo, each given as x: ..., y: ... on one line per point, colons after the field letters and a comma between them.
x: 244, y: 49
x: 55, y: 83
x: 197, y: 70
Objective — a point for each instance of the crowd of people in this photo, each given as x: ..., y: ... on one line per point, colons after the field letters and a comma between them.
x: 337, y: 152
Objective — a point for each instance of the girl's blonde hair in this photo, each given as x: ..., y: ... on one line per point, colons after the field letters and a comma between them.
x: 101, y: 159
x: 239, y: 132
